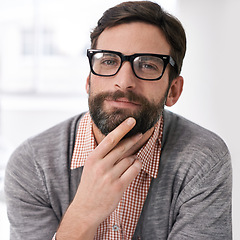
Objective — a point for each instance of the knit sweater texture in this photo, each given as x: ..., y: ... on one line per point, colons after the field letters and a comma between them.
x: 189, y: 199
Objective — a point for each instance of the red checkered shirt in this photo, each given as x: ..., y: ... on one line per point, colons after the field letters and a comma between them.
x: 122, y: 222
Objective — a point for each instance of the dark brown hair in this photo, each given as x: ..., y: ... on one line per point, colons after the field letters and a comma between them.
x: 146, y: 11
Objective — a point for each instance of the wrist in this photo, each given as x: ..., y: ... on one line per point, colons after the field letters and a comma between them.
x: 76, y: 225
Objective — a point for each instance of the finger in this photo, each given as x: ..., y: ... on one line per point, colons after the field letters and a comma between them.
x: 114, y: 137
x: 131, y: 172
x: 123, y: 165
x: 122, y: 150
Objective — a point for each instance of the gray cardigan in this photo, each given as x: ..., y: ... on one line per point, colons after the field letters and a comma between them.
x: 190, y: 198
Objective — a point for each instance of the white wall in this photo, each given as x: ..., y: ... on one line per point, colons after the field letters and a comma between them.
x: 211, y: 72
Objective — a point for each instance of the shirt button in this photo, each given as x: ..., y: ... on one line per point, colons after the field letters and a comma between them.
x: 115, y: 228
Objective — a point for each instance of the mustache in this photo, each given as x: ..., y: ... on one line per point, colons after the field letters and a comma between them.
x: 130, y: 96
x: 147, y: 115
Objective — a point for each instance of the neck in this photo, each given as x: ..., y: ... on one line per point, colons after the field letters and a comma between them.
x: 97, y: 134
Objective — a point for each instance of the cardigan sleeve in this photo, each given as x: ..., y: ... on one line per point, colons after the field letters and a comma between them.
x: 204, y: 205
x: 29, y: 210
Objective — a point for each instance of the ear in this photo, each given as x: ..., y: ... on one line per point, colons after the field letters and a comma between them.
x: 175, y: 91
x: 87, y: 86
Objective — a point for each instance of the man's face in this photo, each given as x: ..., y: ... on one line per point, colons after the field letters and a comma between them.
x: 113, y: 99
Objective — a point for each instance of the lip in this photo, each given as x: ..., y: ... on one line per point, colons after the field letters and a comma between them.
x: 122, y: 103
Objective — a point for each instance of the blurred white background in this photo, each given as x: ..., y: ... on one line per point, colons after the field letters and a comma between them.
x: 43, y: 67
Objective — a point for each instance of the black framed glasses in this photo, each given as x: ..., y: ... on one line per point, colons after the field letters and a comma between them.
x: 145, y: 66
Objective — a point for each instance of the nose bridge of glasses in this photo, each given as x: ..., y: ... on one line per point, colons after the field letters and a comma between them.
x: 127, y: 58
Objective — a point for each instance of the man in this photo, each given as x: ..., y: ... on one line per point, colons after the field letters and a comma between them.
x: 127, y: 169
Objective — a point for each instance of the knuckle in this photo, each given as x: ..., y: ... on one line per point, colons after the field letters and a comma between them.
x: 137, y: 167
x: 100, y: 170
x: 108, y: 179
x: 89, y: 162
x: 119, y: 187
x: 110, y: 140
x: 122, y: 148
x: 131, y: 160
x: 127, y: 162
x: 91, y: 158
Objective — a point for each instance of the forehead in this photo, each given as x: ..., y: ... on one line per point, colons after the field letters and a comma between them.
x: 134, y: 37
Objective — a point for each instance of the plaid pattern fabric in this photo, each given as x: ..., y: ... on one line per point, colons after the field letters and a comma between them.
x: 122, y: 222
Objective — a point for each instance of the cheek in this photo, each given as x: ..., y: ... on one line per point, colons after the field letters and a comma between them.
x: 156, y: 92
x: 95, y: 86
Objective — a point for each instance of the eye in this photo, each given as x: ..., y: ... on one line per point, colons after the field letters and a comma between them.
x: 109, y: 62
x: 147, y: 66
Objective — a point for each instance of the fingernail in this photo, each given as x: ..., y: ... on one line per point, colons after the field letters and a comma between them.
x: 131, y: 121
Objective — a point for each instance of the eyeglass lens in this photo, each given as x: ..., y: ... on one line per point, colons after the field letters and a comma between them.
x: 146, y: 66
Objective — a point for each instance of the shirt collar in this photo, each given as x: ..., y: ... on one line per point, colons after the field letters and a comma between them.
x: 150, y: 153
x: 85, y: 143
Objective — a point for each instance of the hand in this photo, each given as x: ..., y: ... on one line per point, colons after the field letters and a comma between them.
x: 108, y: 171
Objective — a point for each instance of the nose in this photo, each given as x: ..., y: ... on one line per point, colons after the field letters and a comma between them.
x: 125, y: 78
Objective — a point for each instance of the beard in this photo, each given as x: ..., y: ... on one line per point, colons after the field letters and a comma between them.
x: 106, y: 121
